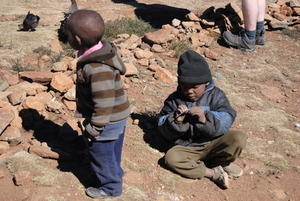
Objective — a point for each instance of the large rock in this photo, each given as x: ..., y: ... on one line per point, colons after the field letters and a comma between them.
x: 71, y: 105
x: 16, y: 97
x: 12, y: 80
x: 54, y: 106
x: 3, y: 96
x: 60, y: 66
x: 165, y: 75
x: 276, y: 24
x: 61, y: 82
x: 25, y: 86
x: 48, y: 152
x: 22, y: 177
x: 71, y: 94
x: 4, y: 147
x: 161, y: 36
x: 37, y: 102
x: 191, y: 16
x: 3, y: 86
x: 131, y: 69
x: 42, y: 77
x: 201, y: 39
x: 11, y: 135
x: 6, y: 116
x: 143, y: 54
x: 133, y: 42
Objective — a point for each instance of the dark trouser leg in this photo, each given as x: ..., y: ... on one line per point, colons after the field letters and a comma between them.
x: 105, y: 159
x: 188, y: 161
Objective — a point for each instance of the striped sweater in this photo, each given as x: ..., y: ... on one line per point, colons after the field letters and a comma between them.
x: 100, y: 96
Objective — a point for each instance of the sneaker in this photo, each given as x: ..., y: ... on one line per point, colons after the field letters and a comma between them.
x: 240, y: 41
x: 220, y: 177
x: 96, y: 193
x: 233, y: 170
x: 260, y: 37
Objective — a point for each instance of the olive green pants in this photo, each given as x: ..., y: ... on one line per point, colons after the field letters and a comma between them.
x: 188, y: 161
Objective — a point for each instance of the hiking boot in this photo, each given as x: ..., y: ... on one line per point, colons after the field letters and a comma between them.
x: 220, y: 177
x: 96, y: 193
x: 260, y: 37
x: 233, y: 170
x: 240, y: 41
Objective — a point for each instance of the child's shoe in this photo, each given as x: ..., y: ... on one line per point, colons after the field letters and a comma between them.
x: 96, y: 193
x: 220, y: 177
x: 233, y: 170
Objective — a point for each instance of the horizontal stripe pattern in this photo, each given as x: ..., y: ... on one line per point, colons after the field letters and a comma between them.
x: 100, y: 93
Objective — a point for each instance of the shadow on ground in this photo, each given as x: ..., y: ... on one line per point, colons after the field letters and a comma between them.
x: 155, y: 14
x: 72, y: 155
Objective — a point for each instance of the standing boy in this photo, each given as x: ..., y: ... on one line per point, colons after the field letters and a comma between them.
x: 100, y: 99
x: 197, y: 118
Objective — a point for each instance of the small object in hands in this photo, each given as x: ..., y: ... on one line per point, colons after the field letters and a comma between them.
x: 185, y: 112
x: 30, y: 22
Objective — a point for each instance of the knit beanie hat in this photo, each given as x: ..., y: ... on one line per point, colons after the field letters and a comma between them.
x: 193, y: 69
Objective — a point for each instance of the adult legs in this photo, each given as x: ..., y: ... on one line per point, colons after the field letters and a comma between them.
x: 254, y: 33
x: 250, y: 13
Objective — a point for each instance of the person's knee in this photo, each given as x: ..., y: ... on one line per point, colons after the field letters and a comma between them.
x: 240, y: 138
x: 171, y: 158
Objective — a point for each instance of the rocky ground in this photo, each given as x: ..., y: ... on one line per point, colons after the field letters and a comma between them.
x: 41, y: 162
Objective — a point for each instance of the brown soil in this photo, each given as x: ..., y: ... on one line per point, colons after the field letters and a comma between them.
x: 146, y: 178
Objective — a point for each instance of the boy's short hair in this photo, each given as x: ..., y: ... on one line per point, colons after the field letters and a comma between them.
x: 193, y: 68
x: 88, y: 25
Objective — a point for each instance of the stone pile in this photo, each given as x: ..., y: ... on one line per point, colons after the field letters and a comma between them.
x: 279, y: 15
x: 30, y: 98
x: 284, y: 15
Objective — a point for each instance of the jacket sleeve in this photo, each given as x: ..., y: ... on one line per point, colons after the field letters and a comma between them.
x: 170, y: 128
x: 219, y: 118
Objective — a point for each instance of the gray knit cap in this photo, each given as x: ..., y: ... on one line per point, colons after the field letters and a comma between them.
x: 193, y: 69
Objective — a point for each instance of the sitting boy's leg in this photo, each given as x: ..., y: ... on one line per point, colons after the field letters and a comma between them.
x: 186, y: 161
x: 105, y: 157
x: 226, y: 149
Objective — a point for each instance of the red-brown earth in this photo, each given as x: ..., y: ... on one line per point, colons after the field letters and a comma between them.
x: 257, y: 84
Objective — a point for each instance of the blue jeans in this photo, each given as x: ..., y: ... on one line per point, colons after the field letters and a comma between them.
x: 105, y: 157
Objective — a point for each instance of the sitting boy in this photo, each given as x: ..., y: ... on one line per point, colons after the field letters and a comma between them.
x: 197, y: 118
x: 100, y: 99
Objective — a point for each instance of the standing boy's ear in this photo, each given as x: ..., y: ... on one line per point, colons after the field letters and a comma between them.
x: 78, y: 39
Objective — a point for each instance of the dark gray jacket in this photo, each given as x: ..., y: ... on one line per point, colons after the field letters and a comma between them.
x: 219, y: 114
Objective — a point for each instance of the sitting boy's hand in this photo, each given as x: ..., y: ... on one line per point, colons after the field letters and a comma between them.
x: 199, y: 113
x: 180, y: 113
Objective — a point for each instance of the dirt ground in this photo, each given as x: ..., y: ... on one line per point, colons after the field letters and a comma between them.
x: 263, y: 87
